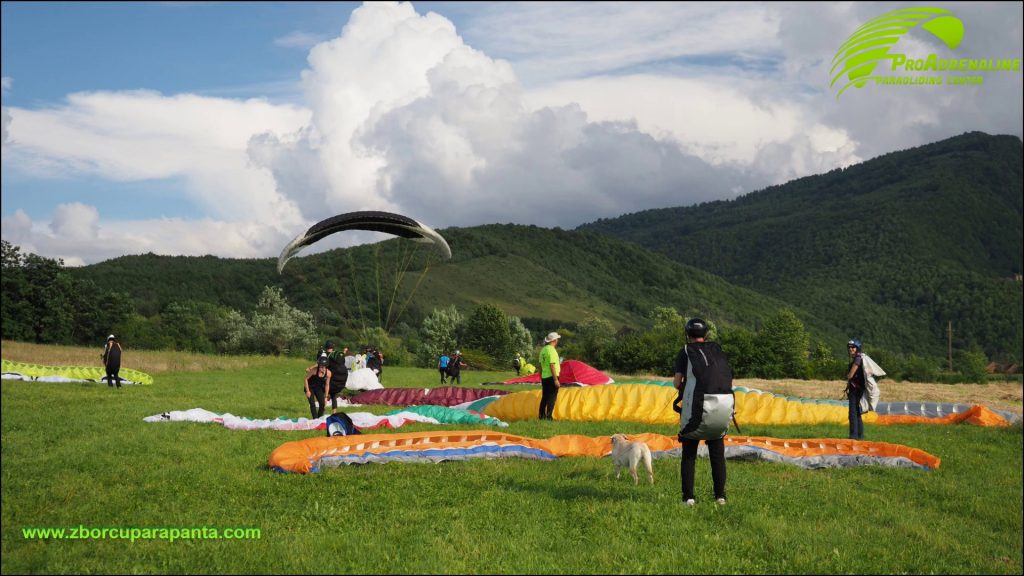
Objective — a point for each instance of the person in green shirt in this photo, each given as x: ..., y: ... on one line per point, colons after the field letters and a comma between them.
x: 550, y: 368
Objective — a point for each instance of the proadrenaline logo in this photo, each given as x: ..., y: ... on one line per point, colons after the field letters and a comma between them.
x: 869, y: 48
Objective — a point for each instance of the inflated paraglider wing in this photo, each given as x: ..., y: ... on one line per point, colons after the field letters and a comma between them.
x: 386, y: 222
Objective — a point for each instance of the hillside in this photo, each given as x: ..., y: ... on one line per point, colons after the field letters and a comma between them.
x: 890, y: 250
x: 553, y: 276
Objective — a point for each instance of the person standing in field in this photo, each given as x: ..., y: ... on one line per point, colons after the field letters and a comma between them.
x: 339, y: 374
x: 375, y: 362
x: 855, y: 388
x: 112, y: 360
x: 550, y: 369
x: 706, y: 405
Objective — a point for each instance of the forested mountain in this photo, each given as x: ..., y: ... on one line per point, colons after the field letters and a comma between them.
x: 544, y: 276
x: 891, y: 250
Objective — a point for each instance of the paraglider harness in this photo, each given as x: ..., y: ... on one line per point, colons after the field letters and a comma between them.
x: 715, y: 374
x: 454, y: 365
x: 341, y: 424
x: 677, y: 405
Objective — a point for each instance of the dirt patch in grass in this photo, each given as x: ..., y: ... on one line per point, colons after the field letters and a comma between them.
x: 1004, y: 395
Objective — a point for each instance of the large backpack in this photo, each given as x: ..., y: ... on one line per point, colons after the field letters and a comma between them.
x: 872, y: 374
x: 706, y: 402
x: 341, y: 424
x: 454, y: 364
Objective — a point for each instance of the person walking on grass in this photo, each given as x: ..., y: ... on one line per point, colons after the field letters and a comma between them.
x: 455, y: 366
x: 442, y: 366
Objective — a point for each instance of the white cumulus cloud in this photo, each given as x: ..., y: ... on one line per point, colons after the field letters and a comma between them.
x: 407, y: 117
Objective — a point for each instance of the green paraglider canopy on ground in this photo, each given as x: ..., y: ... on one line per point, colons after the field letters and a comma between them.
x: 38, y: 372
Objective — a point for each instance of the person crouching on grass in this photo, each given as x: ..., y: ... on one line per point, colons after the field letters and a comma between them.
x: 317, y: 387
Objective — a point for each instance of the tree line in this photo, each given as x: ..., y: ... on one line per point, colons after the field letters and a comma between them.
x: 45, y: 304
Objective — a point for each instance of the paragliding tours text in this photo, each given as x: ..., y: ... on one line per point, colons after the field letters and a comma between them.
x: 132, y: 534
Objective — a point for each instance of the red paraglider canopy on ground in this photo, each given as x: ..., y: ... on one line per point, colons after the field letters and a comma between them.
x: 573, y: 372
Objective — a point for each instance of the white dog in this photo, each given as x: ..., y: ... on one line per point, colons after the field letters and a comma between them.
x: 626, y: 453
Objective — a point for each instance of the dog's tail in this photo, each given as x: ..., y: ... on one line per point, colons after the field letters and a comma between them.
x: 647, y: 463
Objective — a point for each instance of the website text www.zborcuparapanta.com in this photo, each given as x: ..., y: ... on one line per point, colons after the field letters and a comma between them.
x: 132, y: 534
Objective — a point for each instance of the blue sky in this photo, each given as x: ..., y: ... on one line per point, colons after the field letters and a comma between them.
x: 53, y: 49
x: 228, y: 128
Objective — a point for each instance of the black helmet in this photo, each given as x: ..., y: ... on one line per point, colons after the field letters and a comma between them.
x: 696, y: 328
x: 328, y: 345
x: 322, y: 360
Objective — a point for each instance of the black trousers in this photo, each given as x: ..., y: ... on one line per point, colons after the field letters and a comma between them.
x: 853, y: 396
x: 337, y: 391
x: 317, y: 397
x: 548, y: 396
x: 112, y: 374
x: 334, y: 397
x: 716, y: 453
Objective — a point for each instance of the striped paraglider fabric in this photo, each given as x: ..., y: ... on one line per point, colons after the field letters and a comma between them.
x: 652, y: 404
x: 361, y: 420
x: 314, y: 454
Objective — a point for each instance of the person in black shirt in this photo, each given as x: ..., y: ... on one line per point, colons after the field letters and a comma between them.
x: 112, y: 361
x: 705, y: 404
x: 317, y: 385
x: 339, y: 374
x: 855, y: 388
x: 455, y: 366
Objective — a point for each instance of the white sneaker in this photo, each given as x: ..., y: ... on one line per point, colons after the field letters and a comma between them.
x: 690, y: 502
x: 720, y: 500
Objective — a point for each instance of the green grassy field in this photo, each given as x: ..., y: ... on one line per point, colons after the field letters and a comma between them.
x: 80, y: 455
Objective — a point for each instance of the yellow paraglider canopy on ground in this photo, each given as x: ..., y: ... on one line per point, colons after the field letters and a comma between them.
x: 71, y: 373
x: 652, y: 404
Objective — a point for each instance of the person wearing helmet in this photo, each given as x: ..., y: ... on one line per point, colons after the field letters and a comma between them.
x: 375, y: 362
x: 855, y: 388
x: 455, y: 366
x: 705, y: 404
x: 550, y: 370
x: 112, y: 361
x: 317, y: 386
x: 338, y: 371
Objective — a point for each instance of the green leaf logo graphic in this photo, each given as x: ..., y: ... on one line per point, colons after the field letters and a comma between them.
x: 870, y: 44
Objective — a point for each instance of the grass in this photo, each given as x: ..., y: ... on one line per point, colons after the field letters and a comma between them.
x: 80, y: 454
x: 152, y: 362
